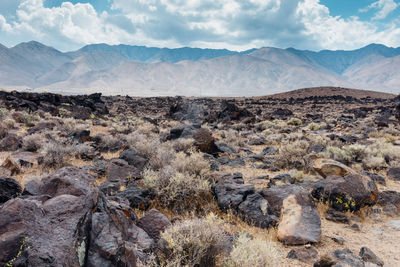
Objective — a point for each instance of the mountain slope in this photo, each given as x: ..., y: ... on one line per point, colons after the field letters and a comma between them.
x: 383, y: 75
x: 338, y: 61
x: 139, y: 70
x: 239, y: 75
x: 44, y: 57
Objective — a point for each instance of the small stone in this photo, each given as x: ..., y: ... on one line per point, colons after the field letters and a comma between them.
x: 339, y: 240
x: 336, y: 216
x: 324, y: 261
x: 394, y: 174
x: 368, y: 256
x: 304, y: 254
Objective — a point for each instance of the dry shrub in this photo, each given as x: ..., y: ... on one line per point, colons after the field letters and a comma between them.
x: 3, y: 131
x: 142, y: 144
x: 68, y: 125
x: 194, y: 242
x: 233, y: 138
x: 374, y: 156
x: 111, y: 143
x: 317, y: 126
x: 9, y: 123
x: 32, y: 142
x: 193, y: 164
x: 146, y: 128
x: 293, y: 155
x: 55, y: 153
x: 338, y: 154
x: 251, y: 252
x: 294, y: 122
x: 373, y: 162
x: 178, y: 191
x: 162, y: 155
x: 182, y: 144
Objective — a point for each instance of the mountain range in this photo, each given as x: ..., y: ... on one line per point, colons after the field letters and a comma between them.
x: 145, y: 71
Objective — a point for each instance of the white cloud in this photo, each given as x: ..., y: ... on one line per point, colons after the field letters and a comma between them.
x: 78, y: 24
x: 385, y: 7
x: 232, y: 24
x: 4, y: 26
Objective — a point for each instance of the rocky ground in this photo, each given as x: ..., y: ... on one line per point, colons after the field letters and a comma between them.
x: 269, y: 181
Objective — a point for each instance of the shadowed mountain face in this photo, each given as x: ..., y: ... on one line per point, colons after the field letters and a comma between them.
x: 139, y: 70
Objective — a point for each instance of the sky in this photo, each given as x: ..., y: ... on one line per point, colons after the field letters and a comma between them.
x: 231, y: 24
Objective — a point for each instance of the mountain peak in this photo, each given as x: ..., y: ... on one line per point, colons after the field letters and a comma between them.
x: 34, y: 45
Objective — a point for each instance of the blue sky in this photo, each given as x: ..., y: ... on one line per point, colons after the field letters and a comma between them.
x: 232, y: 24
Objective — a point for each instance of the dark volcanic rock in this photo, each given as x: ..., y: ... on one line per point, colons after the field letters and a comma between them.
x: 42, y: 126
x: 368, y: 256
x: 231, y: 112
x: 231, y: 192
x: 376, y: 178
x: 114, y: 238
x: 51, y: 230
x: 270, y: 150
x: 303, y: 254
x: 346, y: 258
x: 154, y: 223
x: 9, y: 188
x: 387, y: 198
x: 133, y: 158
x: 81, y: 136
x: 10, y: 143
x: 255, y: 211
x: 205, y: 142
x: 394, y: 174
x: 120, y: 170
x: 346, y: 193
x: 138, y: 198
x: 283, y: 112
x: 336, y: 216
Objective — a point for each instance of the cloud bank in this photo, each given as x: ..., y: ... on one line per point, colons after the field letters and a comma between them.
x: 232, y: 24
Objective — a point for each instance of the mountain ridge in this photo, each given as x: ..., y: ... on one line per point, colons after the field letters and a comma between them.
x: 137, y: 70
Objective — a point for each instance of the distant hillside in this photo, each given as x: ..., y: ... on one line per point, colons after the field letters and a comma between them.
x: 151, y: 71
x: 331, y: 91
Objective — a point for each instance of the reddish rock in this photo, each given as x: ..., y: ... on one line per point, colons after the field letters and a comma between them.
x: 328, y: 167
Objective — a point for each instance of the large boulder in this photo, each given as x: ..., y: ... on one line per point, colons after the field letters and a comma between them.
x: 51, y: 229
x: 350, y: 192
x: 231, y: 192
x: 328, y: 167
x: 299, y: 219
x: 9, y: 188
x: 114, y: 238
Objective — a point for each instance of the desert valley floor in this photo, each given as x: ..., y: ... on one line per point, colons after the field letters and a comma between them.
x: 305, y: 178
